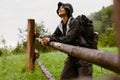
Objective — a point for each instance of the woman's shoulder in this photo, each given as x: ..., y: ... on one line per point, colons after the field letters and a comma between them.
x: 74, y: 20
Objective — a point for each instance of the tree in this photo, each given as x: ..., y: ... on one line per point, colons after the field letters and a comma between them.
x: 39, y: 27
x: 102, y: 19
x: 4, y: 51
x: 22, y: 43
x: 103, y: 24
x: 3, y: 41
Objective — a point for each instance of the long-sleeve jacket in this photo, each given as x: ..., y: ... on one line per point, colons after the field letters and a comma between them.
x: 72, y: 32
x: 72, y: 37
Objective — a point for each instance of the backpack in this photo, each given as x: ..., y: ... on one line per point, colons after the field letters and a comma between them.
x: 87, y: 38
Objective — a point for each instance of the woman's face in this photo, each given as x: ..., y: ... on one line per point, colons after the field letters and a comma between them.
x: 62, y: 11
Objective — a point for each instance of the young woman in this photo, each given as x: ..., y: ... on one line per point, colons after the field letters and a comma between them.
x: 67, y: 32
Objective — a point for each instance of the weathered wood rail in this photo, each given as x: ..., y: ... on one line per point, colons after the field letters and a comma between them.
x: 104, y: 59
x: 45, y: 71
x: 101, y: 58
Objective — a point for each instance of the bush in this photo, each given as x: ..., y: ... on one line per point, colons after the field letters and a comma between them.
x: 0, y: 52
x: 20, y: 48
x: 4, y: 52
x: 107, y: 39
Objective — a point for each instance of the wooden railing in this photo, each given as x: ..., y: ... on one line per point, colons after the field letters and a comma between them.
x: 107, y: 60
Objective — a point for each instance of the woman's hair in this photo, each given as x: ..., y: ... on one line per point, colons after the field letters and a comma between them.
x: 69, y: 14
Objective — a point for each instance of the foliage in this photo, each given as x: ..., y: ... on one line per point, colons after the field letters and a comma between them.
x: 22, y: 43
x: 54, y: 62
x: 43, y: 33
x: 109, y: 49
x: 102, y: 18
x: 4, y: 52
x: 107, y: 39
x: 20, y: 48
x: 97, y: 26
x: 39, y: 28
x: 11, y: 68
x: 1, y: 52
x: 14, y: 67
x: 103, y: 24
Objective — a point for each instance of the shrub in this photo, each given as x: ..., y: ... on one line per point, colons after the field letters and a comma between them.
x: 107, y: 39
x: 4, y: 52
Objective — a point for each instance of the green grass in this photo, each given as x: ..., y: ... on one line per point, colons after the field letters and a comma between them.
x: 54, y: 62
x: 14, y: 67
x: 110, y: 49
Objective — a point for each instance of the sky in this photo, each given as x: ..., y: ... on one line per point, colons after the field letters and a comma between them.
x: 14, y: 14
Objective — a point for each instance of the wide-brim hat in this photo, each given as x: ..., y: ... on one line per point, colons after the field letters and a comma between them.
x: 66, y: 5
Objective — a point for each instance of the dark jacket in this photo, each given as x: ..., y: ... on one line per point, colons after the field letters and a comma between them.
x: 72, y: 33
x: 74, y: 67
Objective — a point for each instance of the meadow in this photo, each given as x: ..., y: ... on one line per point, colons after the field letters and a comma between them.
x: 14, y: 67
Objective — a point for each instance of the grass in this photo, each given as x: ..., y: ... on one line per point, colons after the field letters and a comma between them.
x: 108, y: 49
x: 14, y: 67
x: 54, y: 62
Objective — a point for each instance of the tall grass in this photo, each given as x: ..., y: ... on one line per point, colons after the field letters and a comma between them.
x: 14, y: 67
x: 109, y: 49
x: 54, y: 62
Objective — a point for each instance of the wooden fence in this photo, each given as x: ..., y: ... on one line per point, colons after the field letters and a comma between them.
x: 104, y: 59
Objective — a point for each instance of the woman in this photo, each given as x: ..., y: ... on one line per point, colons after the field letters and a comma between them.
x: 67, y: 32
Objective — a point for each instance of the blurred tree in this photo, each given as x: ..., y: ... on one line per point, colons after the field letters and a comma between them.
x: 22, y: 43
x: 3, y: 41
x: 4, y: 51
x: 102, y: 18
x: 102, y: 21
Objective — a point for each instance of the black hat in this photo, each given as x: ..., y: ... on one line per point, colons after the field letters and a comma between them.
x: 66, y: 5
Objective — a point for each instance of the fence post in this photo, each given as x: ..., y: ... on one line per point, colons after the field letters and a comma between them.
x: 116, y: 19
x: 30, y: 44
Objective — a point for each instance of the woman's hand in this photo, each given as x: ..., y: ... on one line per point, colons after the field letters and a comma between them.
x: 44, y: 41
